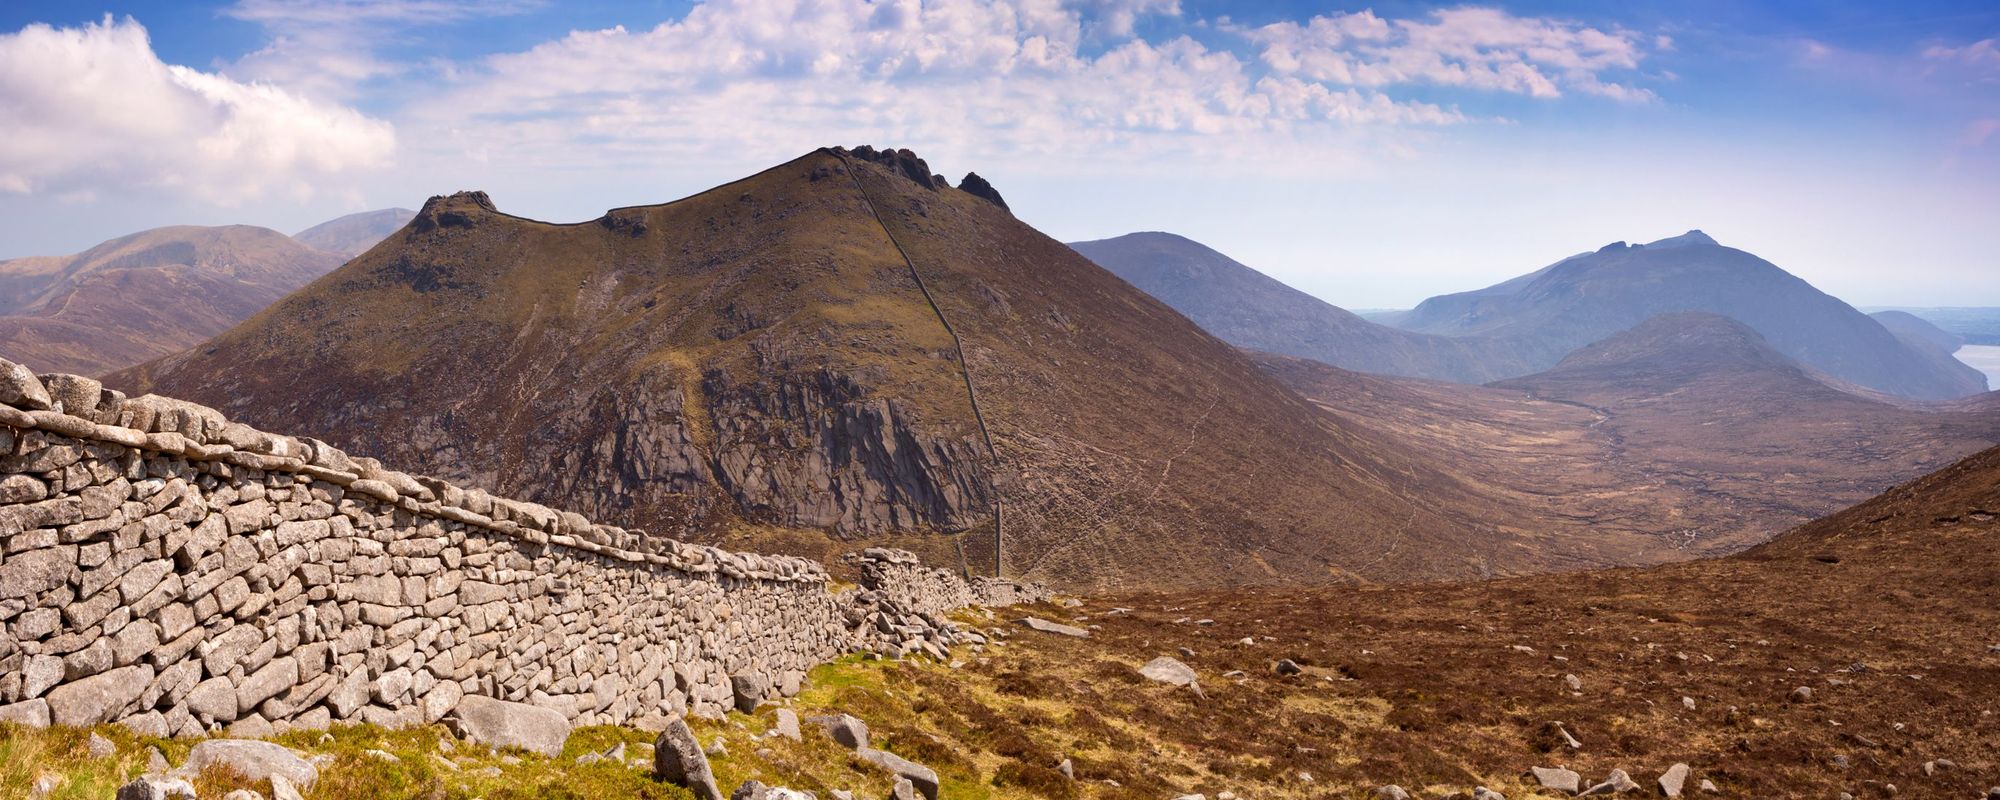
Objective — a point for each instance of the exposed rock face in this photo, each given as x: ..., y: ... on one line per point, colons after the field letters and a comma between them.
x: 180, y: 571
x: 904, y: 162
x: 820, y: 452
x: 978, y: 187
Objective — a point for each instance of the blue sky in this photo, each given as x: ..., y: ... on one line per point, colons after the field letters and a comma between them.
x: 1370, y: 154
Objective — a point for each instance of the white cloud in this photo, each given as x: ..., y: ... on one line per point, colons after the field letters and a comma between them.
x: 978, y: 79
x: 1466, y: 47
x: 93, y: 109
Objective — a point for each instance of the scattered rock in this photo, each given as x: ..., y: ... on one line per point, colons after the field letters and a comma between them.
x: 1574, y: 683
x: 750, y: 691
x: 1687, y: 703
x: 282, y: 789
x: 156, y: 762
x: 1803, y: 694
x: 1673, y: 779
x: 903, y: 790
x: 678, y: 759
x: 849, y: 731
x: 242, y: 794
x: 1483, y: 793
x: 1045, y: 626
x: 1561, y: 733
x: 101, y: 747
x: 755, y: 790
x: 1617, y: 783
x: 1286, y: 666
x: 499, y: 723
x: 787, y: 724
x: 1557, y: 778
x: 152, y: 787
x: 923, y: 777
x: 1391, y: 792
x: 1170, y: 671
x: 256, y: 760
x: 1709, y: 787
x: 1067, y: 768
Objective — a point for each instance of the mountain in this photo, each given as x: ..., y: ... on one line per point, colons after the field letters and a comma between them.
x: 145, y: 295
x: 1687, y: 435
x: 1250, y: 309
x: 1548, y: 314
x: 1918, y: 332
x: 800, y: 350
x: 353, y: 234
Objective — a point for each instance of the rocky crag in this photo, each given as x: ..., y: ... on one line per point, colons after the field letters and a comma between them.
x: 172, y: 570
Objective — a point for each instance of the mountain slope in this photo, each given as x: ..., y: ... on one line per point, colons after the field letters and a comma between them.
x: 762, y: 354
x: 1588, y: 297
x: 1883, y: 610
x: 1249, y: 309
x: 1918, y: 332
x: 1685, y: 436
x: 145, y: 295
x: 353, y: 234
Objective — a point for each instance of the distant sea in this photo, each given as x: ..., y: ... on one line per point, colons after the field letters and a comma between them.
x: 1985, y: 358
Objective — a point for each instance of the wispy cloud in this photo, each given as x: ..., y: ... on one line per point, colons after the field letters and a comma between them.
x: 93, y: 108
x: 333, y: 48
x: 1469, y: 47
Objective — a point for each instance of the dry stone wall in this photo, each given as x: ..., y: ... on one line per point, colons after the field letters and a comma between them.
x: 163, y: 567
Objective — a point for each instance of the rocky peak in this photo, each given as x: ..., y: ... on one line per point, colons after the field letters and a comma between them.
x: 457, y: 210
x: 978, y: 187
x: 1692, y: 237
x: 903, y: 162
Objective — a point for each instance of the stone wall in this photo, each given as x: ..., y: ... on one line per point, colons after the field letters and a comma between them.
x: 163, y: 567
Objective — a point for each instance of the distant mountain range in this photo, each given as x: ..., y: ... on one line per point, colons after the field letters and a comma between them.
x: 1529, y: 323
x: 1250, y: 309
x: 1686, y: 435
x: 1551, y: 312
x: 148, y: 294
x: 1976, y: 325
x: 353, y: 234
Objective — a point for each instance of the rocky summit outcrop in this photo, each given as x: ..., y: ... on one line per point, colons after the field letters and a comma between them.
x: 176, y: 572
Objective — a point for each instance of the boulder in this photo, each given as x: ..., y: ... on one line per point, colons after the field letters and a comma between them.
x: 849, y: 731
x: 20, y: 388
x: 32, y: 713
x: 1557, y: 778
x: 1391, y: 792
x: 257, y: 761
x: 749, y: 691
x: 100, y: 747
x: 153, y: 787
x: 1286, y: 666
x: 787, y: 724
x: 1045, y: 626
x: 1673, y: 780
x: 754, y: 790
x: 1617, y: 783
x: 678, y: 759
x: 925, y: 779
x: 99, y: 698
x: 1170, y: 671
x: 499, y: 723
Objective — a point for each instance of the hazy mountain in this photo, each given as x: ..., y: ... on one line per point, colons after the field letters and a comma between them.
x: 1974, y: 324
x: 1547, y: 314
x: 353, y: 234
x: 1687, y: 435
x: 761, y: 357
x: 1250, y: 309
x: 145, y: 295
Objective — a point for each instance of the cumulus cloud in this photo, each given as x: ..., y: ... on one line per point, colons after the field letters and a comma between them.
x: 984, y: 78
x: 93, y: 109
x: 1467, y: 47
